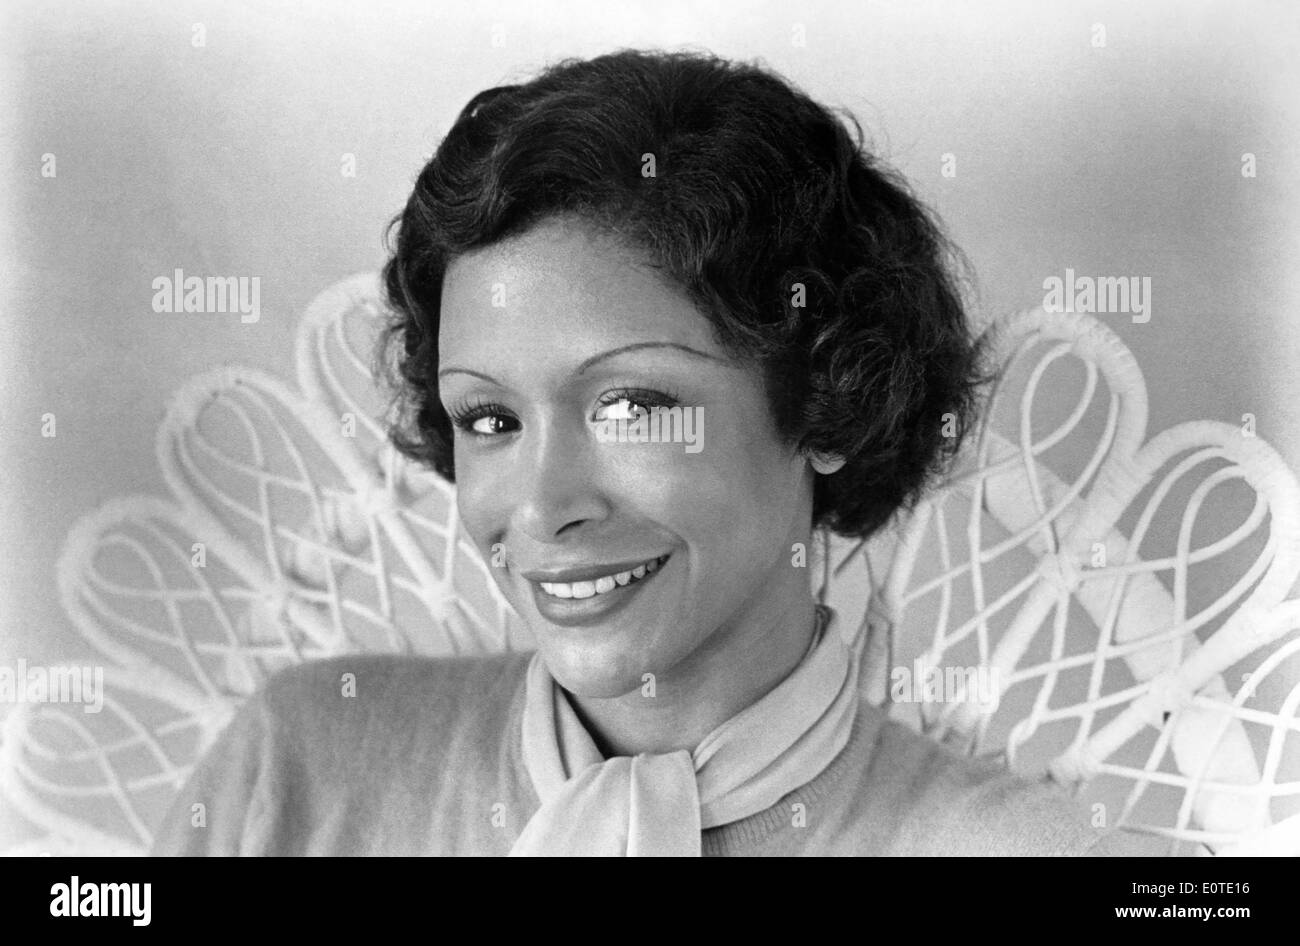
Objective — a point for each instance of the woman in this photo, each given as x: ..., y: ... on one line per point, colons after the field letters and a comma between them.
x: 659, y: 318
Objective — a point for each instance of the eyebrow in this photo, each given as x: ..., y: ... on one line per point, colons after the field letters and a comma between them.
x: 594, y: 359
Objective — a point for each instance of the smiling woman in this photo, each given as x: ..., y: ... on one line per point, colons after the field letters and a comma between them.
x: 641, y: 237
x: 718, y: 616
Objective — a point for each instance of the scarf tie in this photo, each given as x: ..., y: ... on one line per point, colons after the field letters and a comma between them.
x: 656, y: 804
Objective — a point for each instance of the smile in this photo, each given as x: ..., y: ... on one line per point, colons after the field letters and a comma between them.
x: 593, y: 594
x: 603, y: 584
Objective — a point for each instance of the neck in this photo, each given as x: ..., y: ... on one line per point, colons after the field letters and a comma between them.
x: 739, y: 664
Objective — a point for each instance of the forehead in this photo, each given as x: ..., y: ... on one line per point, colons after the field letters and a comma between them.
x: 561, y: 292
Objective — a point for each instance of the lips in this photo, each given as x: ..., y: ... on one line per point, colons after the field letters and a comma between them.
x: 591, y: 593
x: 603, y: 584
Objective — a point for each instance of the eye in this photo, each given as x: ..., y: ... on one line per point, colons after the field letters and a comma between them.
x: 492, y: 424
x: 484, y: 420
x: 624, y: 408
x: 628, y: 405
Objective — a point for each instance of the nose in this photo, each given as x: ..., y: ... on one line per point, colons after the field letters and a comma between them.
x: 558, y: 483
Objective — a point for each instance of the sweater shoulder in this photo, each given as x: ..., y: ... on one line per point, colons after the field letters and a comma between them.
x: 945, y: 803
x: 375, y: 685
x: 355, y: 754
x: 376, y: 754
x: 339, y: 713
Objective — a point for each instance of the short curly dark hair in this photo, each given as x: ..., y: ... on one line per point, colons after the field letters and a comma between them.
x: 759, y: 196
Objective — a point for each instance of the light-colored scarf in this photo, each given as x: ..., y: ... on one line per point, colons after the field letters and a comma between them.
x: 657, y: 805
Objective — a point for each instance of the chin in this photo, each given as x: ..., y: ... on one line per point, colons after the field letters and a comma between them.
x: 596, y: 672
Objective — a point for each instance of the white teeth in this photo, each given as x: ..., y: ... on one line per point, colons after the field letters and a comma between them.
x: 598, y: 586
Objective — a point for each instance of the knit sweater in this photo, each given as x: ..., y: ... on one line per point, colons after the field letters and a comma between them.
x: 422, y: 756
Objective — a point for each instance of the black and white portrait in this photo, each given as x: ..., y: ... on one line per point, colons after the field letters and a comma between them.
x: 650, y: 429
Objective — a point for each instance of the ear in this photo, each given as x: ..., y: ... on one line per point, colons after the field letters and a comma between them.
x: 825, y: 463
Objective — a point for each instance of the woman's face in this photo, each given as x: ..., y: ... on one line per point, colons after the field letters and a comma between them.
x: 625, y: 558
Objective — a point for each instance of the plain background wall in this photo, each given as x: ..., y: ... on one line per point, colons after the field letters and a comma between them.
x: 1116, y: 160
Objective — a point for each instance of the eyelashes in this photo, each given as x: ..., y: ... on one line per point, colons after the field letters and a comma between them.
x: 465, y: 416
x: 484, y: 419
x: 642, y: 397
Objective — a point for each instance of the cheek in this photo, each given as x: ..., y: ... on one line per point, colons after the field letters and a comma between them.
x: 478, y: 500
x: 734, y: 502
